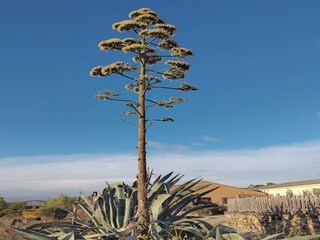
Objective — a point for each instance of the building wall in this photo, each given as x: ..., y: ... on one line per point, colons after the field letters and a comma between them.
x: 297, y: 190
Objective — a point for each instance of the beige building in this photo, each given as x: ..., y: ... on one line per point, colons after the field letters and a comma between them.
x: 224, y: 192
x: 296, y: 188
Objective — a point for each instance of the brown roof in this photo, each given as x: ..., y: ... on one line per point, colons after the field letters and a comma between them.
x: 291, y: 184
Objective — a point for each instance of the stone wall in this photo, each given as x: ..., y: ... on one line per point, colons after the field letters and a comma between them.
x: 290, y: 224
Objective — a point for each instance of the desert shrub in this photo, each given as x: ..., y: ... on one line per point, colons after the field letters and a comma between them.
x: 3, y: 206
x: 13, y: 208
x: 58, y: 208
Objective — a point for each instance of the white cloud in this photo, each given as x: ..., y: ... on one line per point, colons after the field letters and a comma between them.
x: 208, y: 138
x: 45, y: 176
x: 167, y: 146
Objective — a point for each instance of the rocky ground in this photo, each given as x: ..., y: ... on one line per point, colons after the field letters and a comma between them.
x: 8, y: 234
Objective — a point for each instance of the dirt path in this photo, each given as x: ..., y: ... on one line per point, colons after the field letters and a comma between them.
x: 215, y: 219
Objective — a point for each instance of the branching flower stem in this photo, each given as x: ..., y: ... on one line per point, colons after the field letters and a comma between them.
x: 154, y: 71
x: 172, y: 88
x: 131, y: 78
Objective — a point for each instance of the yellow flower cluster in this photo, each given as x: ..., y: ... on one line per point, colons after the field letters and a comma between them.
x: 117, y: 67
x: 179, y: 64
x: 111, y: 44
x: 168, y: 44
x: 186, y: 87
x: 138, y: 48
x: 116, y: 43
x: 105, y: 95
x: 179, y: 52
x: 167, y: 27
x: 96, y: 71
x: 153, y: 59
x: 155, y: 33
x: 141, y: 11
x: 129, y: 41
x: 147, y: 19
x: 128, y: 25
x: 174, y: 74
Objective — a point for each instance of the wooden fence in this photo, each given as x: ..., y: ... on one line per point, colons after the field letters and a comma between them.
x: 278, y: 204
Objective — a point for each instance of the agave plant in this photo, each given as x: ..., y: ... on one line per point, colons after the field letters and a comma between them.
x: 113, y: 215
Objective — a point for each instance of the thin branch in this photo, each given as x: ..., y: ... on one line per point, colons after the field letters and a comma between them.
x: 166, y: 56
x: 150, y: 122
x: 125, y: 121
x: 135, y: 109
x: 153, y: 71
x: 154, y: 44
x: 120, y: 100
x: 131, y: 78
x: 173, y: 88
x: 150, y: 42
x: 148, y: 100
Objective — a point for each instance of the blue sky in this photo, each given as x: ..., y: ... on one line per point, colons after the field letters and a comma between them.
x: 257, y: 66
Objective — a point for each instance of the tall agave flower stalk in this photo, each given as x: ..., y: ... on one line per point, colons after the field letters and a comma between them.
x: 151, y: 35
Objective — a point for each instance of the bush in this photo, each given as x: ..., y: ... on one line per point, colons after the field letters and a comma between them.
x: 58, y: 208
x: 3, y: 206
x: 14, y: 208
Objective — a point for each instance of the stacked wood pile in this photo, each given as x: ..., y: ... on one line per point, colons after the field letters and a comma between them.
x: 272, y: 214
x: 275, y: 204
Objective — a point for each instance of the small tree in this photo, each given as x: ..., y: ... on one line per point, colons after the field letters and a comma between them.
x: 145, y: 75
x: 289, y: 193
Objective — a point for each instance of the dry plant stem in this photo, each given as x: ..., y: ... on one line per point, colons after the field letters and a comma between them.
x: 143, y: 218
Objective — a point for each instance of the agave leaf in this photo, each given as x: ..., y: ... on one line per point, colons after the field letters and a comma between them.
x: 219, y: 235
x: 87, y: 202
x: 87, y: 211
x: 157, y: 205
x: 165, y: 177
x: 54, y: 224
x: 182, y: 187
x: 157, y: 179
x: 32, y: 235
x: 176, y: 210
x: 192, y: 230
x: 195, y: 209
x: 127, y: 212
x: 120, y: 204
x: 131, y: 238
x: 233, y: 236
x: 98, y: 236
x: 157, y: 186
x: 102, y: 220
x: 198, y: 223
x: 309, y: 237
x: 68, y: 236
x: 175, y: 180
x: 225, y: 229
x: 274, y: 236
